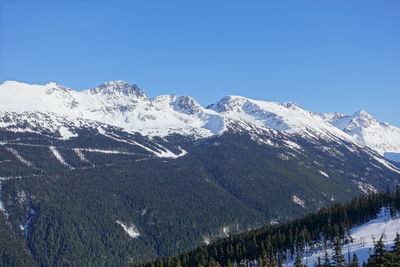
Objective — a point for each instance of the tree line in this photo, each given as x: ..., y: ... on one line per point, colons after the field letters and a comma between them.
x: 275, y: 244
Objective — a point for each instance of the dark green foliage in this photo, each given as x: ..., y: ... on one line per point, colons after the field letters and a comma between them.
x: 226, y: 181
x: 258, y: 244
x: 382, y: 257
x: 297, y: 262
x: 327, y: 262
x: 337, y: 257
x: 354, y: 262
x: 13, y: 251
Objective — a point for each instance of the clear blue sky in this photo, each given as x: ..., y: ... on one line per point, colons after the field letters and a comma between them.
x: 326, y: 55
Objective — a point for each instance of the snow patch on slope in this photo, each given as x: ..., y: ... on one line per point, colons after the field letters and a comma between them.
x: 323, y: 173
x: 19, y: 157
x: 130, y: 229
x: 2, y: 208
x: 80, y: 155
x: 365, y: 187
x: 59, y: 157
x: 25, y: 227
x: 298, y: 201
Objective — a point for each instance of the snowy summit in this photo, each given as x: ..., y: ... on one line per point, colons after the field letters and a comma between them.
x: 120, y: 104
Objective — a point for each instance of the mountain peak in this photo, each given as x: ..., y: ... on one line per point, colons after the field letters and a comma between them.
x: 362, y: 112
x: 10, y: 82
x: 229, y: 103
x: 118, y: 87
x: 363, y: 118
x: 183, y: 104
x: 333, y: 116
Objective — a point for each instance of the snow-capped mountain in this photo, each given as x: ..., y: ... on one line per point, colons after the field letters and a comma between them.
x: 120, y: 104
x: 115, y: 103
x: 284, y: 117
x: 378, y: 135
x: 110, y: 160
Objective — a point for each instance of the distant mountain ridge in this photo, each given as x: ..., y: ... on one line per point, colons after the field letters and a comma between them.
x: 381, y: 136
x: 120, y: 104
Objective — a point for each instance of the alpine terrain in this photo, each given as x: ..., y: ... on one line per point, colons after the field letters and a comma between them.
x: 107, y: 176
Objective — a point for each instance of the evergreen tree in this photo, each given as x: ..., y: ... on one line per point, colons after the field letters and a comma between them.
x: 272, y: 262
x: 297, y: 262
x: 280, y: 260
x: 380, y: 258
x: 396, y: 248
x: 354, y: 261
x: 327, y: 262
x: 318, y: 263
x: 337, y: 257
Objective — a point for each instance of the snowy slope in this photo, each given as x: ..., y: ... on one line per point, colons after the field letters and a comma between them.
x: 287, y: 117
x: 120, y: 104
x: 117, y: 103
x: 363, y: 238
x: 378, y: 135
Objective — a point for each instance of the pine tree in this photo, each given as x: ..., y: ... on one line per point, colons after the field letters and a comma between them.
x: 260, y: 262
x: 354, y: 261
x: 272, y: 262
x: 392, y: 258
x: 280, y: 260
x: 318, y: 263
x: 297, y: 262
x: 379, y: 258
x: 396, y: 248
x: 327, y: 262
x: 337, y: 257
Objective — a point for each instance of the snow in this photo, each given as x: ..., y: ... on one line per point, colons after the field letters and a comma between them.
x: 115, y: 103
x: 206, y: 240
x: 130, y: 229
x: 286, y: 117
x: 363, y: 238
x: 59, y: 157
x: 65, y: 133
x: 365, y: 187
x: 123, y: 105
x: 80, y: 155
x: 18, y: 156
x: 25, y: 227
x: 169, y: 154
x: 225, y: 230
x: 378, y: 135
x: 292, y: 145
x: 298, y: 201
x: 55, y: 108
x: 323, y: 173
x: 2, y: 208
x: 95, y: 150
x: 161, y: 153
x: 386, y: 164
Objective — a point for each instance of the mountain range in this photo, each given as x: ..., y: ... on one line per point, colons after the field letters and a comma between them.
x: 119, y: 104
x: 108, y: 176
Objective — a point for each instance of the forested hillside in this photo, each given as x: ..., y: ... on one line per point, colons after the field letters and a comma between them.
x: 108, y: 197
x: 278, y: 244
